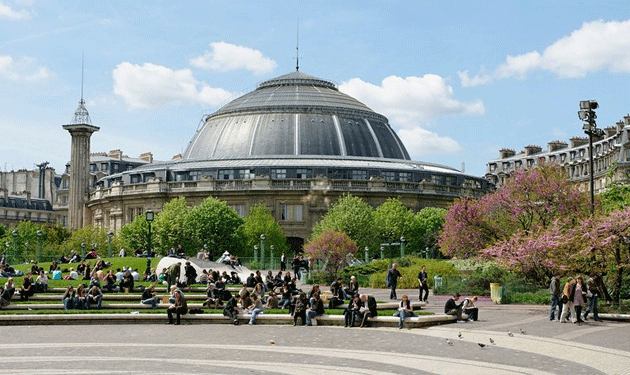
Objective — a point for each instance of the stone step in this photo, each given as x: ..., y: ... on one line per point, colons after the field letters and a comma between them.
x: 270, y: 319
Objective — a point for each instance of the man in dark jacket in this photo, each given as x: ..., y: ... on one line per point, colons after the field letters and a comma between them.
x: 556, y: 293
x: 392, y: 279
x: 452, y: 308
x: 191, y: 273
x: 368, y: 310
x: 231, y: 308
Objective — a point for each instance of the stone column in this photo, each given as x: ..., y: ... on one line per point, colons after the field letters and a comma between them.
x: 80, y: 183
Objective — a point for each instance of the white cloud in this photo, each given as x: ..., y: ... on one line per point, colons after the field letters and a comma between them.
x: 150, y: 86
x: 7, y: 12
x: 410, y: 101
x: 26, y: 69
x: 420, y: 141
x: 596, y: 46
x: 226, y: 57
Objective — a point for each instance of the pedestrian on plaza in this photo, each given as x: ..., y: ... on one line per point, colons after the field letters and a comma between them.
x: 317, y: 309
x: 231, y: 308
x: 296, y: 266
x: 94, y: 296
x: 149, y: 297
x: 392, y: 279
x: 368, y: 310
x: 470, y: 309
x: 179, y: 308
x: 301, y: 305
x: 453, y: 308
x: 592, y: 295
x: 568, y: 293
x: 283, y: 262
x: 255, y: 309
x: 578, y: 299
x: 423, y: 284
x: 404, y: 310
x: 556, y: 294
x: 172, y: 274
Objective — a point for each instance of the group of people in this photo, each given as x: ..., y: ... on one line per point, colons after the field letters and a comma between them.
x: 82, y: 298
x: 570, y: 300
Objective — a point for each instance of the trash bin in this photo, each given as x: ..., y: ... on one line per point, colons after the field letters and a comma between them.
x: 437, y: 282
x: 496, y: 292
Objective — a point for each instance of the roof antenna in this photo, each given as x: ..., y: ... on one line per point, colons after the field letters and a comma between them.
x: 297, y: 47
x: 82, y: 61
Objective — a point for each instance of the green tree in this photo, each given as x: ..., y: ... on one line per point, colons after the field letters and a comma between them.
x: 92, y: 237
x: 260, y: 221
x: 392, y: 220
x: 217, y: 225
x: 425, y: 228
x: 353, y: 216
x: 170, y: 226
x: 135, y: 234
x: 616, y: 197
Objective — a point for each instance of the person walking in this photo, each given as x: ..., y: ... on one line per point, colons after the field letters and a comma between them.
x: 283, y: 262
x: 423, y: 284
x: 578, y: 299
x: 592, y: 296
x: 556, y: 294
x: 392, y: 280
x: 567, y: 301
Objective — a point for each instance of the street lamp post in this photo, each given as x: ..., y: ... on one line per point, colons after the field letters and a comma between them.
x: 150, y: 216
x: 402, y: 246
x: 82, y: 250
x: 587, y: 113
x: 262, y: 250
x: 6, y: 254
x: 256, y: 254
x: 39, y: 244
x: 367, y: 250
x: 382, y: 252
x: 109, y: 244
x: 271, y: 258
x: 16, y: 248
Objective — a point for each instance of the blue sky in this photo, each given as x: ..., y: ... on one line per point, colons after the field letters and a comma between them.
x: 458, y: 80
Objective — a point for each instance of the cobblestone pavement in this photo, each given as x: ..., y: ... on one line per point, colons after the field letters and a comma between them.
x: 544, y: 348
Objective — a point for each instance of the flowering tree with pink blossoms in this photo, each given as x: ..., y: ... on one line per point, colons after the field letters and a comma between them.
x: 332, y: 249
x: 606, y: 246
x: 528, y: 225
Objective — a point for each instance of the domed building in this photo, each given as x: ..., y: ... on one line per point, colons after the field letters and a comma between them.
x: 297, y: 145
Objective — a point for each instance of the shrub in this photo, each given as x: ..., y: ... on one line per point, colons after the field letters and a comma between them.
x: 410, y: 273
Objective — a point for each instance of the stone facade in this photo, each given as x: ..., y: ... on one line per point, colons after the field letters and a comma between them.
x: 296, y: 204
x: 611, y: 158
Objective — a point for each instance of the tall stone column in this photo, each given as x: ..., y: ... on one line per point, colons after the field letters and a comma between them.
x: 80, y: 130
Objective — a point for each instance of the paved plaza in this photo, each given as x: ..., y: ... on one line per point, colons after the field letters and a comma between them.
x: 544, y: 348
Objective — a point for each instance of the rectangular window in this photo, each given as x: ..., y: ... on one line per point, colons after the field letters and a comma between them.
x: 246, y: 174
x: 103, y: 167
x: 302, y: 173
x: 240, y: 209
x: 92, y: 167
x: 226, y: 174
x: 359, y: 175
x: 404, y: 176
x: 493, y: 167
x: 389, y: 175
x: 292, y: 212
x: 130, y: 214
x: 278, y: 173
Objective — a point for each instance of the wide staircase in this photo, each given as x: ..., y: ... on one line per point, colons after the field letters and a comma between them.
x: 126, y: 308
